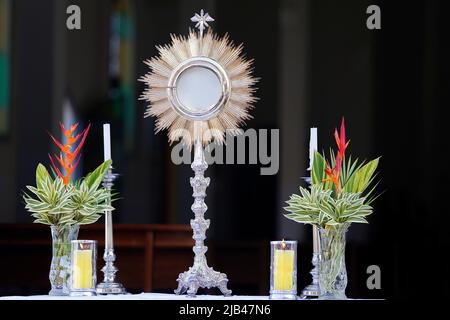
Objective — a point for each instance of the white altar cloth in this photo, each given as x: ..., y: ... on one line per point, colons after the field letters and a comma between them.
x: 142, y: 296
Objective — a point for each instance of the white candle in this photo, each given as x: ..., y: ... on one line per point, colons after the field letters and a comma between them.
x: 107, y: 156
x: 106, y: 142
x: 312, y: 149
x: 312, y: 146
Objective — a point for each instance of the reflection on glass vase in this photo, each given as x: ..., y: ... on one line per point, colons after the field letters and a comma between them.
x: 60, y: 267
x: 332, y: 270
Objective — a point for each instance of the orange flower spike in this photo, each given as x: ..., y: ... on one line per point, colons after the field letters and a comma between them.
x: 67, y: 157
x: 340, y: 139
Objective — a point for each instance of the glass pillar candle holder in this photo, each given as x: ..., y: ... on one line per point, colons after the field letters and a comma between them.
x: 283, y: 270
x: 83, y: 277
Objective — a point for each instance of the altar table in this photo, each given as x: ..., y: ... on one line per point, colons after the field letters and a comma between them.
x: 142, y: 296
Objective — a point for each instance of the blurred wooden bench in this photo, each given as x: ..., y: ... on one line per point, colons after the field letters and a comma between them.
x: 149, y: 258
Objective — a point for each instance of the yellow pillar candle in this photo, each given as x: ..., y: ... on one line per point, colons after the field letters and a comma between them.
x: 82, y: 272
x: 284, y: 270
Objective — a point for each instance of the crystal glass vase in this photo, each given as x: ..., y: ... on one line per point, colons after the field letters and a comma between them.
x: 332, y: 270
x: 60, y: 267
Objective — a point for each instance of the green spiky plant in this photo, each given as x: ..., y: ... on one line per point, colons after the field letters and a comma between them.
x: 342, y: 192
x: 53, y: 203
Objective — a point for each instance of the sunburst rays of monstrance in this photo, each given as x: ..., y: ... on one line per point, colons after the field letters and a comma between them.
x: 199, y: 88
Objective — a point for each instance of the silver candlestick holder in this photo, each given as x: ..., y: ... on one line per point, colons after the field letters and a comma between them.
x: 109, y: 284
x: 312, y: 290
x: 200, y: 275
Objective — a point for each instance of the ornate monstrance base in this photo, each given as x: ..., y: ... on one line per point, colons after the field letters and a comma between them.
x: 200, y: 275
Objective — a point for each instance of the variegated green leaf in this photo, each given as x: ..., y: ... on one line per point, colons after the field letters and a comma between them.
x: 318, y: 169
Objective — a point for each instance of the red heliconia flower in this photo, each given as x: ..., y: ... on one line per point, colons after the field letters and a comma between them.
x: 340, y: 140
x: 68, y: 158
x: 342, y: 144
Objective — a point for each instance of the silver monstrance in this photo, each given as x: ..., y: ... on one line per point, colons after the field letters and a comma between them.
x: 199, y: 87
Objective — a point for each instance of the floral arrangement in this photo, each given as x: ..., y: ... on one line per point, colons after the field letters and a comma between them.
x: 342, y: 191
x: 58, y: 200
x: 64, y: 204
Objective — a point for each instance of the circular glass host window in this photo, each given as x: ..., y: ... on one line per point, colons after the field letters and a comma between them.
x: 199, y: 88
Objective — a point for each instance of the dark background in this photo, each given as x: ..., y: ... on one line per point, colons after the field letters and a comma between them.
x: 317, y: 62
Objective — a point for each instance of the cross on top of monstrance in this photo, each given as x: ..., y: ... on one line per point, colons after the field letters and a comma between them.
x: 202, y: 20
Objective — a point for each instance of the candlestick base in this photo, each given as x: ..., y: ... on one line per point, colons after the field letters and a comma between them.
x: 313, y: 289
x: 109, y: 285
x: 310, y: 291
x: 110, y: 288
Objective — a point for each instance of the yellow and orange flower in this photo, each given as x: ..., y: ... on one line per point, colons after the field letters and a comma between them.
x: 69, y: 157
